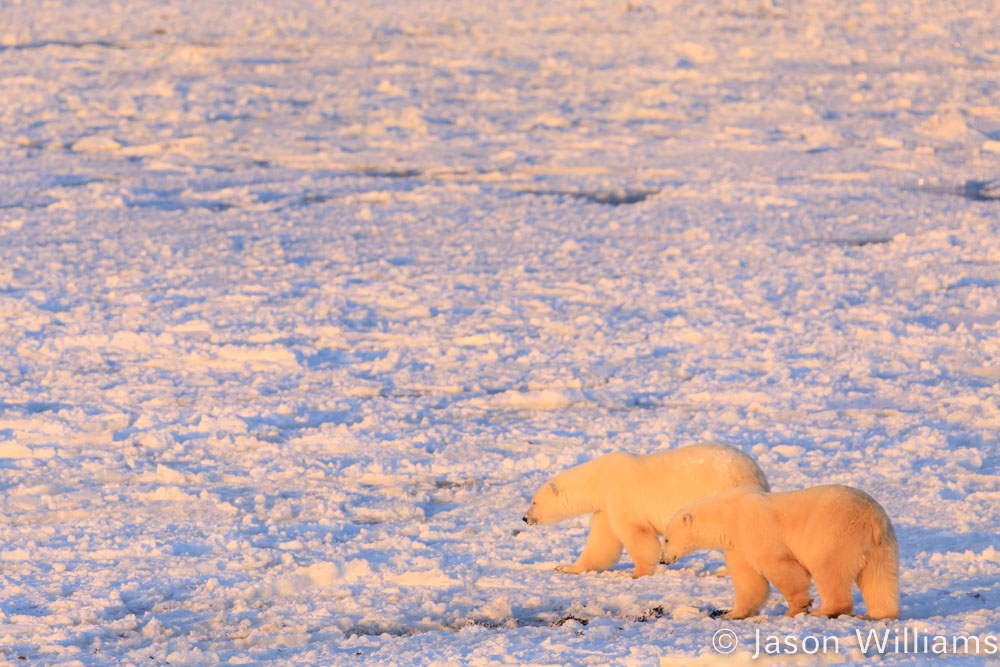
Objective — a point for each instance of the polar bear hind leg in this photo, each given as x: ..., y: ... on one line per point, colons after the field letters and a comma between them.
x: 750, y: 586
x: 641, y: 541
x: 643, y: 545
x: 602, y: 550
x: 879, y: 582
x: 792, y: 581
x: 835, y: 584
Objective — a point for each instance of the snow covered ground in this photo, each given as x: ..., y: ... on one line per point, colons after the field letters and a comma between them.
x: 300, y: 302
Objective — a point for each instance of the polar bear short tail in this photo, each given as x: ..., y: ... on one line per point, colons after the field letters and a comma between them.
x: 879, y: 577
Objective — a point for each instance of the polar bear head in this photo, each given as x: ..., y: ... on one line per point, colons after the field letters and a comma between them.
x: 548, y: 505
x: 680, y: 537
x: 709, y: 523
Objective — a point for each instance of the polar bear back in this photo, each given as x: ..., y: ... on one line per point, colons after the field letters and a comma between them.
x: 657, y: 485
x: 809, y: 520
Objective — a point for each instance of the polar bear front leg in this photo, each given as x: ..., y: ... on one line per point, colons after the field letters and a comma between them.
x: 750, y: 586
x: 792, y: 580
x: 602, y: 550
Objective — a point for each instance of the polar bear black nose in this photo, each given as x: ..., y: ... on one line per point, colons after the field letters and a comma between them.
x: 524, y: 518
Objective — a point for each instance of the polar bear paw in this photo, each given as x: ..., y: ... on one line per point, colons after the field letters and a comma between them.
x: 569, y: 569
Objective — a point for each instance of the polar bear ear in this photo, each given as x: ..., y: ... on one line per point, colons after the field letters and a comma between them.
x: 555, y: 489
x: 687, y: 519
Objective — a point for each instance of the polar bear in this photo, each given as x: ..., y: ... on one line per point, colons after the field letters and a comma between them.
x: 836, y: 534
x: 632, y: 498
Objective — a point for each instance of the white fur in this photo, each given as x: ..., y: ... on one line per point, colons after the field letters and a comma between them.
x: 632, y: 498
x: 836, y: 534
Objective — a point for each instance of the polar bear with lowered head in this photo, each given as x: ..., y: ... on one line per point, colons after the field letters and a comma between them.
x: 632, y: 498
x: 838, y: 535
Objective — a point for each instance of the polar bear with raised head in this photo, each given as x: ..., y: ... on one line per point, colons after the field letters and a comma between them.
x: 836, y: 534
x: 632, y: 498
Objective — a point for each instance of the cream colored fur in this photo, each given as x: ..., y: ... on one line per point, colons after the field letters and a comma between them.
x: 836, y: 534
x: 632, y: 498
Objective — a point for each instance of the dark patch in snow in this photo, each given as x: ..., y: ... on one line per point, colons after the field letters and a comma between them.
x: 178, y: 204
x: 371, y: 628
x: 314, y: 198
x: 649, y: 614
x: 982, y: 190
x: 40, y: 203
x: 375, y: 629
x: 59, y: 42
x: 570, y: 617
x: 391, y: 172
x: 253, y: 62
x: 617, y: 197
x: 860, y: 242
x: 74, y: 180
x: 972, y: 190
x: 493, y: 624
x: 973, y: 282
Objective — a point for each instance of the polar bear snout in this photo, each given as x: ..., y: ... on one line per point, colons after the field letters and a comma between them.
x: 531, y: 515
